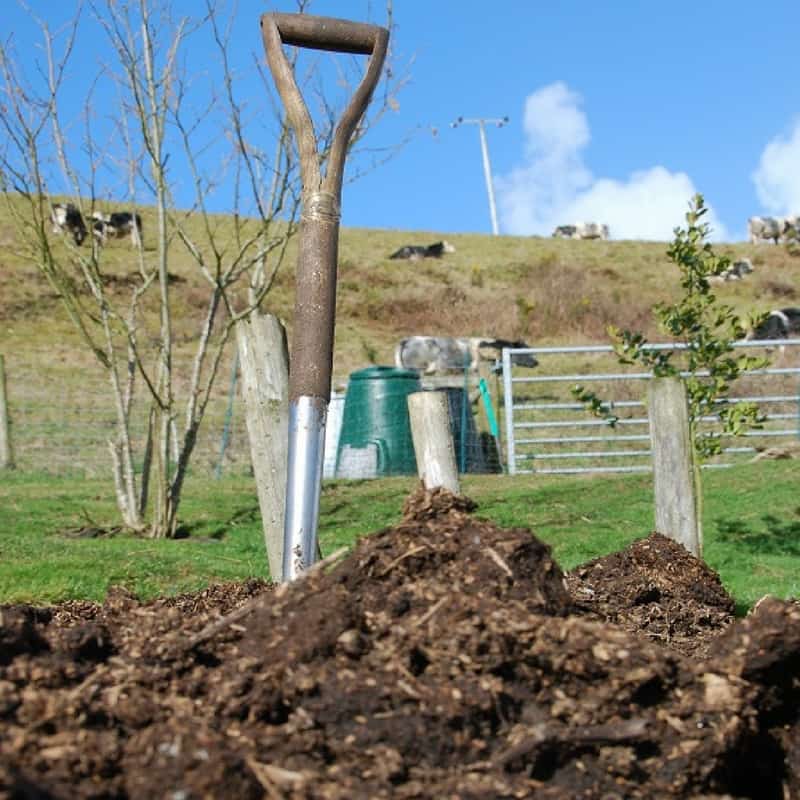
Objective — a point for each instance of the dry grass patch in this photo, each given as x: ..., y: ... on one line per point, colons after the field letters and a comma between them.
x: 543, y: 290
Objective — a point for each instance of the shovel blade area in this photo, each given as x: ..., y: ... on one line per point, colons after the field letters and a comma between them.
x: 307, y: 416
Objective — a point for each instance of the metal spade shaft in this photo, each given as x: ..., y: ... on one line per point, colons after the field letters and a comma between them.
x: 311, y: 356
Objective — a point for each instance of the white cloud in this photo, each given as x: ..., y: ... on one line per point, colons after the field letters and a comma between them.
x: 553, y: 186
x: 777, y: 178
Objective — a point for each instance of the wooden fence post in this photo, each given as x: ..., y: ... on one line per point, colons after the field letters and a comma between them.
x: 264, y: 357
x: 676, y: 483
x: 431, y: 433
x: 6, y: 453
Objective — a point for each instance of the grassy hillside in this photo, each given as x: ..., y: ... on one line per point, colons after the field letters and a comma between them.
x: 539, y: 289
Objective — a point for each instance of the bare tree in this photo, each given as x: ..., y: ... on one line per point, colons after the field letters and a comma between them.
x: 160, y: 130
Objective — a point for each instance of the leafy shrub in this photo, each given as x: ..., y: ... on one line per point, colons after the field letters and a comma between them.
x: 707, y: 327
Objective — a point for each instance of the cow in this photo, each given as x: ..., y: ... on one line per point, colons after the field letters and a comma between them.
x: 117, y: 225
x: 67, y: 218
x: 761, y: 229
x: 590, y: 230
x: 735, y: 272
x: 782, y: 323
x: 415, y: 252
x: 442, y: 354
x: 582, y: 230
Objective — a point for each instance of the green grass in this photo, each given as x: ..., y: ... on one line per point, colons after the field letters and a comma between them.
x: 751, y: 520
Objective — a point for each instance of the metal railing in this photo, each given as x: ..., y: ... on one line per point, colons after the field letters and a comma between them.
x: 549, y: 432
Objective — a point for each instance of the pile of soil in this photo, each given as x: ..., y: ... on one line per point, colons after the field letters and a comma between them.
x: 443, y: 658
x: 657, y: 588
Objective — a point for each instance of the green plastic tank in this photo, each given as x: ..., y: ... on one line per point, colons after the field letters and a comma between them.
x: 375, y: 439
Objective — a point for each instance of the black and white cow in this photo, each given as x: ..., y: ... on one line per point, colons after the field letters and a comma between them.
x: 735, y: 272
x: 117, y: 225
x: 442, y: 354
x: 582, y: 230
x: 782, y: 323
x: 66, y: 218
x: 415, y: 252
x: 761, y: 229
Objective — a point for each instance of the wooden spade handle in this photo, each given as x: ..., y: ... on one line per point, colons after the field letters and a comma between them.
x: 315, y: 294
x: 325, y: 33
x: 322, y: 33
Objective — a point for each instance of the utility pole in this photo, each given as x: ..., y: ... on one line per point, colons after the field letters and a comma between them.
x: 482, y: 122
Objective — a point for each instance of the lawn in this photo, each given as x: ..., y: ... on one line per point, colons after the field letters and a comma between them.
x: 751, y: 521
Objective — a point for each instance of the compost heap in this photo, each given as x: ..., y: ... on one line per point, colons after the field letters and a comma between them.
x: 443, y: 658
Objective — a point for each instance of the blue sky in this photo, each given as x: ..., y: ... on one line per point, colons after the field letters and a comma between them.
x: 618, y: 111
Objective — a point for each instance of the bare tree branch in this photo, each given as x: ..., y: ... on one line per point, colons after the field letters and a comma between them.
x: 163, y: 125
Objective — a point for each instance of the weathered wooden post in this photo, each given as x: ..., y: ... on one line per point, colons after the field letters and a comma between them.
x: 6, y: 453
x: 675, y: 478
x: 429, y: 415
x: 264, y: 358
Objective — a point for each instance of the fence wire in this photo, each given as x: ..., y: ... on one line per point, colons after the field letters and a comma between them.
x: 62, y: 415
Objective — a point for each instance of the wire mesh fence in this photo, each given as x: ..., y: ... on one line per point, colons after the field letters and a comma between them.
x: 63, y: 416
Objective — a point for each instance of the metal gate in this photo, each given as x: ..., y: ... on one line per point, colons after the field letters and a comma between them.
x: 549, y: 432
